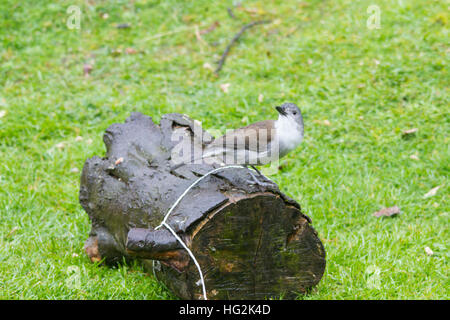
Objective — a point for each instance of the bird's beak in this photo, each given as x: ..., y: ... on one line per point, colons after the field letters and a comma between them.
x: 280, y: 110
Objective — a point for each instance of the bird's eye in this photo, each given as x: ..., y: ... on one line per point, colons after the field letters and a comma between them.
x: 294, y: 113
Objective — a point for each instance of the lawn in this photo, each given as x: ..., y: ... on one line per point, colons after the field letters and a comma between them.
x: 359, y: 89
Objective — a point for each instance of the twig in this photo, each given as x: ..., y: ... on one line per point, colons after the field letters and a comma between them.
x: 230, y: 13
x: 198, y: 36
x: 211, y: 28
x: 235, y: 38
x: 169, y: 33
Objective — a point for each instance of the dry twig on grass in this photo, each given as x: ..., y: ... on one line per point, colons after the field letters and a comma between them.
x: 235, y: 38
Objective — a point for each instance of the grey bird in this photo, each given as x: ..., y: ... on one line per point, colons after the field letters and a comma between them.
x: 259, y: 143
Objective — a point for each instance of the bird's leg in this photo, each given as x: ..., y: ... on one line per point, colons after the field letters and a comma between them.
x: 254, y: 168
x: 260, y: 183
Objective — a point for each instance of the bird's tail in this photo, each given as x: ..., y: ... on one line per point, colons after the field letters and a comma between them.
x: 206, y: 155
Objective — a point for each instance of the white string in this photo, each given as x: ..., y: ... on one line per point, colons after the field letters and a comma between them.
x: 163, y: 223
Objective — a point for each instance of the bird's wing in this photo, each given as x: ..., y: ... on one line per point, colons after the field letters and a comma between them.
x: 254, y: 137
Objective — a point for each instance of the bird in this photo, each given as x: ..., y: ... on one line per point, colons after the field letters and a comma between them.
x: 259, y: 143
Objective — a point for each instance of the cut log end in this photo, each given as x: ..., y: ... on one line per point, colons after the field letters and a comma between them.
x: 253, y: 248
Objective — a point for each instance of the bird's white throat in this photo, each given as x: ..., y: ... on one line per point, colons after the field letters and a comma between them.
x: 289, y: 134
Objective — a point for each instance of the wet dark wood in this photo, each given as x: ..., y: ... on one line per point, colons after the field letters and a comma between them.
x: 251, y: 241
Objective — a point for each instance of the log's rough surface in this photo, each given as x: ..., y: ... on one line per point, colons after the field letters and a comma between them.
x: 251, y: 241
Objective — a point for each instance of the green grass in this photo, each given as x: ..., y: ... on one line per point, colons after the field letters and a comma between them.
x: 369, y: 84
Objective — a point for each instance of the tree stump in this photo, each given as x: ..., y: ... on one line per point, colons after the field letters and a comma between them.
x: 251, y: 241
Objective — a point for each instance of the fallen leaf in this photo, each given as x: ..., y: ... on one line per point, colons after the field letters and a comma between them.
x: 2, y: 113
x: 87, y: 68
x: 410, y: 131
x: 74, y: 170
x: 130, y: 51
x: 310, y: 61
x: 377, y: 62
x: 60, y: 145
x: 210, y: 28
x: 78, y: 138
x: 429, y: 251
x: 225, y: 87
x: 208, y: 66
x: 414, y: 157
x: 250, y: 10
x: 432, y: 192
x: 323, y: 122
x: 260, y: 98
x: 387, y: 212
x: 277, y: 22
x: 105, y: 16
x: 89, y: 141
